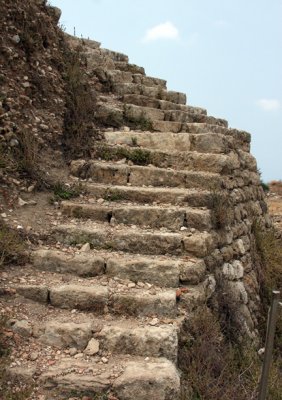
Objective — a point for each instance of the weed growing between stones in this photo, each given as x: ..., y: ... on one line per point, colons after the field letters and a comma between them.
x: 137, y: 156
x: 66, y: 192
x: 112, y: 195
x: 140, y: 122
x: 220, y: 208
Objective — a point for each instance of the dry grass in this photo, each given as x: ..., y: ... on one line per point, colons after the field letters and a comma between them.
x: 12, y: 246
x: 220, y: 208
x: 213, y: 368
x: 268, y: 246
x: 80, y: 108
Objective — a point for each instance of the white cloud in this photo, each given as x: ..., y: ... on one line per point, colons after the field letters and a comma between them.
x: 269, y: 104
x: 162, y: 31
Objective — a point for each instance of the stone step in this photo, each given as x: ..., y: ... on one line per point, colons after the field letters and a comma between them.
x: 100, y: 299
x: 144, y: 101
x: 159, y: 271
x: 169, y: 142
x: 122, y: 174
x: 157, y: 92
x: 119, y: 336
x: 126, y: 377
x: 184, y: 160
x: 114, y: 55
x: 125, y: 66
x: 175, y: 127
x: 150, y: 195
x: 118, y: 76
x: 96, y: 59
x: 215, y: 143
x: 140, y: 241
x: 156, y: 217
x: 133, y: 112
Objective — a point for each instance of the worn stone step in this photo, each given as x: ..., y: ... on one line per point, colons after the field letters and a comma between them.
x: 125, y: 66
x: 96, y: 59
x: 150, y: 195
x: 118, y: 76
x: 102, y: 299
x: 149, y: 81
x: 123, y: 336
x: 175, y: 127
x: 144, y: 101
x: 136, y: 112
x: 114, y: 55
x: 172, y: 218
x: 173, y: 142
x: 137, y: 241
x: 160, y: 271
x: 150, y: 91
x: 184, y: 160
x: 122, y: 174
x: 126, y: 377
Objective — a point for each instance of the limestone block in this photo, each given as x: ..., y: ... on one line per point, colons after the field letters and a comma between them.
x: 23, y: 328
x: 79, y: 264
x: 92, y: 298
x: 233, y: 271
x: 157, y: 380
x: 36, y: 293
x: 68, y: 334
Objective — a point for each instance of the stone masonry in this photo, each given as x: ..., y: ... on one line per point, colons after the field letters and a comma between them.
x: 171, y: 196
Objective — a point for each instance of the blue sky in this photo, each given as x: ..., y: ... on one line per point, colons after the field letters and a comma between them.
x: 226, y: 55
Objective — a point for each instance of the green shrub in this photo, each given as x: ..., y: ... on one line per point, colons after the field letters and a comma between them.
x: 66, y: 192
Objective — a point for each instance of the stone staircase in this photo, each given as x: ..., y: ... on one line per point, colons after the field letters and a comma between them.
x: 133, y: 257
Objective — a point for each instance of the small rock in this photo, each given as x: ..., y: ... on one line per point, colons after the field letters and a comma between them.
x: 72, y: 351
x: 79, y: 355
x: 44, y: 127
x: 154, y: 321
x: 26, y: 84
x: 131, y: 285
x: 183, y: 228
x: 22, y: 202
x: 4, y: 215
x: 100, y: 201
x: 16, y: 39
x: 92, y: 347
x: 33, y: 356
x: 14, y: 142
x: 23, y: 328
x: 30, y: 188
x: 105, y: 360
x: 85, y: 248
